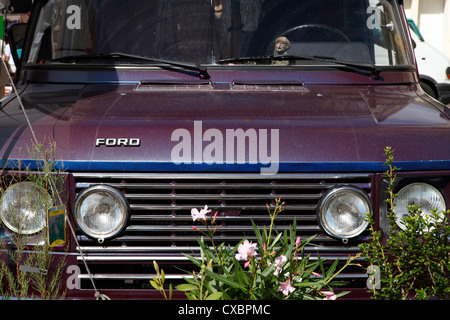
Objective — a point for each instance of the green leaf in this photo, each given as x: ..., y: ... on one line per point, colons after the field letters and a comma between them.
x: 194, y: 260
x: 214, y: 296
x: 332, y: 268
x: 293, y: 230
x: 240, y: 274
x: 192, y: 281
x: 267, y: 271
x: 341, y: 294
x: 225, y: 280
x: 186, y: 287
x: 277, y: 238
x: 155, y: 265
x: 259, y: 237
x: 320, y: 261
x: 154, y: 284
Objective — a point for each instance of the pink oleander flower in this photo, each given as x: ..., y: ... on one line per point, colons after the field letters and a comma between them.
x: 279, y: 262
x: 297, y: 242
x: 286, y: 287
x: 200, y: 215
x: 246, y: 250
x: 329, y: 295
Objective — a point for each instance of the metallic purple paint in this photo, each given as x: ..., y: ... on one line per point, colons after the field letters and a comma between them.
x: 317, y: 122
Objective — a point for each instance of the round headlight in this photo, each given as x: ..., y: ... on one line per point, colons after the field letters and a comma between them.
x: 342, y: 211
x: 23, y: 207
x: 424, y: 195
x: 101, y: 211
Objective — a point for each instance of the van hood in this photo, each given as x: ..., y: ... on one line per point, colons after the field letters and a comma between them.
x: 283, y: 129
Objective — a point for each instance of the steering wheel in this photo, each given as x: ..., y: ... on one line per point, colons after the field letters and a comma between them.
x: 314, y: 33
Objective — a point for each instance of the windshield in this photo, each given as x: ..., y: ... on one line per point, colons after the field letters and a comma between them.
x: 212, y: 32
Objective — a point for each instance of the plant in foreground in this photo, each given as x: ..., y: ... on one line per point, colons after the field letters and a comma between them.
x: 274, y: 267
x: 158, y: 282
x: 414, y: 261
x: 25, y: 267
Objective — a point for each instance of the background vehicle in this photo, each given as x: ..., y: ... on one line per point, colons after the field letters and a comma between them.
x: 157, y: 107
x: 433, y: 67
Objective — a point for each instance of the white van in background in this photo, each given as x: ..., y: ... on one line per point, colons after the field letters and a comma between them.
x: 433, y: 65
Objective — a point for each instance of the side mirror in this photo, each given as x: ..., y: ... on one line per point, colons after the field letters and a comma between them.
x: 16, y: 36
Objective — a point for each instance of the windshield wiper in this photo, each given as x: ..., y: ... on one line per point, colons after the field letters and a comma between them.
x: 355, y: 66
x: 203, y: 73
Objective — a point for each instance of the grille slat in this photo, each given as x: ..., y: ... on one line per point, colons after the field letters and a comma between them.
x: 191, y: 186
x: 201, y: 178
x: 220, y: 219
x: 220, y: 197
x: 134, y: 240
x: 234, y: 228
x: 181, y: 276
x: 172, y: 207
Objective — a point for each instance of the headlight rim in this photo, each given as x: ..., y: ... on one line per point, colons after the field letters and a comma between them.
x: 322, y: 204
x: 95, y: 189
x: 410, y: 183
x: 8, y: 224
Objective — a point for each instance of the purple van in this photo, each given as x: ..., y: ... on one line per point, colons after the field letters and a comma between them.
x: 156, y: 107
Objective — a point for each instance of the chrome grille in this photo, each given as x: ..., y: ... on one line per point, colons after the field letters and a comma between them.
x: 160, y: 226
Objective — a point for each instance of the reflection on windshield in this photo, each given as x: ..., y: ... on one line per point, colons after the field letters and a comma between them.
x: 207, y: 31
